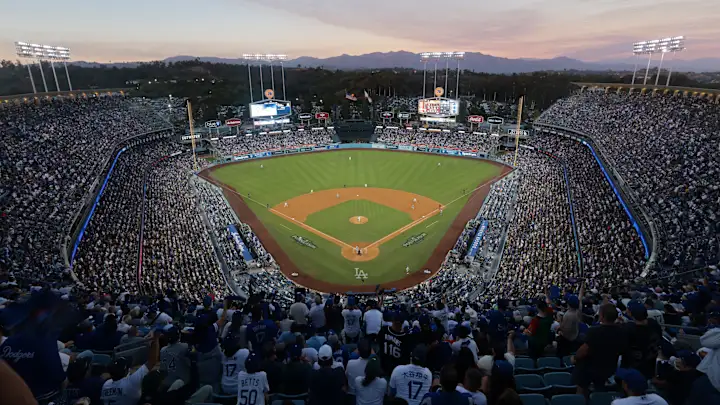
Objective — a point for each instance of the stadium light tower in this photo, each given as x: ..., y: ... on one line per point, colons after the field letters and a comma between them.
x: 44, y: 52
x: 426, y: 57
x: 270, y: 58
x: 661, y: 46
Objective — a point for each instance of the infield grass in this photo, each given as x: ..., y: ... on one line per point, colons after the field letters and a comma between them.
x: 281, y: 179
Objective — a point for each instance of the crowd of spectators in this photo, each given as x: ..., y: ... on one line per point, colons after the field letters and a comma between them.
x: 177, y: 250
x: 482, y: 142
x: 51, y: 152
x: 611, y: 248
x: 539, y: 248
x: 242, y: 144
x: 665, y: 148
x: 107, y: 256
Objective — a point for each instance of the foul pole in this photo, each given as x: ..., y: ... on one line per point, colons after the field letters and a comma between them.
x: 517, y: 130
x: 192, y: 134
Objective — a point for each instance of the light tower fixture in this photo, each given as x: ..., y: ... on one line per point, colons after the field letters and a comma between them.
x: 661, y: 46
x: 270, y: 58
x: 49, y: 53
x: 426, y: 57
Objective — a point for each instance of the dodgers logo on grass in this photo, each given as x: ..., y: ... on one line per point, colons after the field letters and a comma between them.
x: 415, y: 239
x: 303, y: 241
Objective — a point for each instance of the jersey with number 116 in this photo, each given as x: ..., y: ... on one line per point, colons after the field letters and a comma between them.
x: 411, y: 382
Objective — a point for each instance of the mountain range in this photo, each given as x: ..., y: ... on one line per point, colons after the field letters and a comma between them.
x: 474, y: 61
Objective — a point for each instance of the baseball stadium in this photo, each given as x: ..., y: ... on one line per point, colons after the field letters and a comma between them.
x: 409, y: 229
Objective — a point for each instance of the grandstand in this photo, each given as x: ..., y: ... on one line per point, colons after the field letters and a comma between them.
x: 600, y: 248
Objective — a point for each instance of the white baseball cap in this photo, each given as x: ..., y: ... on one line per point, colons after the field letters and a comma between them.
x: 325, y: 353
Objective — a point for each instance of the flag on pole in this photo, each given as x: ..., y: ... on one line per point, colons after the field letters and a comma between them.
x: 367, y: 96
x: 350, y: 97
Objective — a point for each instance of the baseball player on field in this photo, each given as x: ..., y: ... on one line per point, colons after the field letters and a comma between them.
x: 286, y: 204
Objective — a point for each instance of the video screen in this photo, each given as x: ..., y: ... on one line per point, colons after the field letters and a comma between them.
x: 438, y: 106
x: 270, y: 109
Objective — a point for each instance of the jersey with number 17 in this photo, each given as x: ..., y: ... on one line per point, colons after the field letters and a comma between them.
x: 411, y: 382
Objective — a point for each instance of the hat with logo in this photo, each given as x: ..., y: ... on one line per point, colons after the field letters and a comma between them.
x: 690, y: 359
x: 252, y: 363
x: 295, y: 351
x: 325, y: 353
x: 503, y: 368
x: 635, y: 381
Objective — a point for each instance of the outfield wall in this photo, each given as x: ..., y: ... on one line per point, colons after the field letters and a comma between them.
x: 338, y: 146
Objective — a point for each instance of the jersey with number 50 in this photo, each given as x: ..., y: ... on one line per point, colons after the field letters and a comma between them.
x: 252, y: 388
x: 411, y: 382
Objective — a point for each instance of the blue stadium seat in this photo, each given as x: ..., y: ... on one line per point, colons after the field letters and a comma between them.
x: 568, y: 399
x: 225, y: 399
x: 525, y: 365
x: 101, y: 359
x: 550, y: 364
x: 530, y: 384
x: 560, y: 382
x: 603, y: 398
x: 533, y: 399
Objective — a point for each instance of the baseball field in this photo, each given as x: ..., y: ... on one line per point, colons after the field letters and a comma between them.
x: 349, y: 220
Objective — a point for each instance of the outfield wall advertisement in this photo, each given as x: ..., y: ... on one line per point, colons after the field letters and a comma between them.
x: 409, y: 148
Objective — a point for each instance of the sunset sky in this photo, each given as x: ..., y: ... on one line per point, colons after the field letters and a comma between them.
x: 134, y: 30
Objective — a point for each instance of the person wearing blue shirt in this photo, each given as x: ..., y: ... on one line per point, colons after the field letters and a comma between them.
x: 499, y: 321
x: 449, y: 395
x: 36, y: 360
x: 260, y: 330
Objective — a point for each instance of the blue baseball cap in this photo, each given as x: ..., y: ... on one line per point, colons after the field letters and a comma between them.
x: 635, y: 380
x: 295, y: 351
x: 503, y: 368
x: 252, y: 363
x: 691, y: 359
x: 573, y: 302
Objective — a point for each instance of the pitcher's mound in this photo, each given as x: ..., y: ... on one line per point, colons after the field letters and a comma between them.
x: 359, y: 220
x: 366, y: 254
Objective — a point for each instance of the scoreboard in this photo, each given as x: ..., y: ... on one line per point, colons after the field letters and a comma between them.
x: 272, y: 108
x: 438, y: 107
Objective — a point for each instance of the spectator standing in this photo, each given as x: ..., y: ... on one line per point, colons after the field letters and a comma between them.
x: 327, y: 385
x: 395, y: 343
x: 356, y: 367
x: 596, y: 360
x: 299, y: 312
x: 412, y: 381
x: 643, y: 337
x: 448, y: 395
x: 174, y: 358
x: 539, y: 330
x: 569, y: 329
x: 317, y: 314
x: 373, y: 321
x: 233, y: 363
x: 351, y: 314
x: 370, y: 389
x: 296, y: 373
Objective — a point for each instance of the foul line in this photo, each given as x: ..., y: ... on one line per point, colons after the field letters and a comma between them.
x: 276, y: 212
x: 286, y: 227
x: 431, y: 224
x: 427, y: 216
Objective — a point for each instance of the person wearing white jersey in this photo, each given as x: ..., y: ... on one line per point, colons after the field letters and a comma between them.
x: 233, y: 360
x: 123, y: 388
x: 442, y: 313
x: 253, y: 384
x: 356, y: 367
x: 352, y: 315
x: 464, y: 340
x: 373, y: 322
x: 412, y: 381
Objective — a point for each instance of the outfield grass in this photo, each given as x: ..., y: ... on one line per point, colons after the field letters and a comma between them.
x: 335, y: 221
x: 283, y: 178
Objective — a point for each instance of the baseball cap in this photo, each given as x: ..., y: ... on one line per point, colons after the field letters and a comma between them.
x: 325, y: 353
x: 295, y: 351
x: 636, y: 382
x: 333, y: 340
x: 637, y: 310
x: 690, y: 359
x: 573, y: 302
x: 119, y: 368
x: 252, y: 363
x: 502, y: 368
x: 419, y: 354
